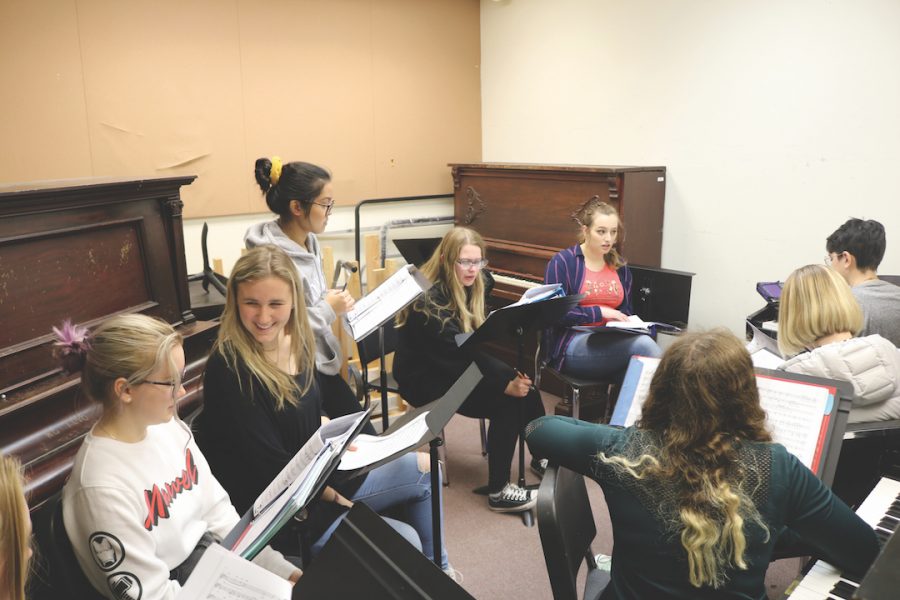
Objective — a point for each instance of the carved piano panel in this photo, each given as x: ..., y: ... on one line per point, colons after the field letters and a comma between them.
x: 84, y: 250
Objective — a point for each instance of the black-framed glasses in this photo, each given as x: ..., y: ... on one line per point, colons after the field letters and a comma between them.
x: 468, y: 263
x: 170, y: 384
x: 327, y: 205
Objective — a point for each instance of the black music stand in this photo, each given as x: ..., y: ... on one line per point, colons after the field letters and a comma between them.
x: 440, y: 412
x: 383, y: 565
x: 417, y: 250
x: 512, y: 322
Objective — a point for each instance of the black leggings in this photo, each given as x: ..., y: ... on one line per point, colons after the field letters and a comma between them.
x: 508, y: 416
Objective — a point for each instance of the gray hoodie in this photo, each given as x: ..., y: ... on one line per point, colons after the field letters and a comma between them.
x: 309, y: 263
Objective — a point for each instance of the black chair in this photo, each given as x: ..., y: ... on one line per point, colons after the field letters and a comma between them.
x: 575, y: 384
x: 64, y: 576
x: 566, y: 526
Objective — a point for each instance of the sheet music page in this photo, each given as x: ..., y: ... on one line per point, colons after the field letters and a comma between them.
x: 763, y: 349
x: 538, y: 293
x: 223, y: 575
x: 383, y: 302
x: 642, y: 390
x: 372, y: 448
x: 794, y: 414
x: 631, y: 322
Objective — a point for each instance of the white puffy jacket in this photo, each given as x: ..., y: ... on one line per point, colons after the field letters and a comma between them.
x: 871, y: 364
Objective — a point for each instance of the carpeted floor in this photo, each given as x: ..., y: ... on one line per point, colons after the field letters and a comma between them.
x: 498, y: 556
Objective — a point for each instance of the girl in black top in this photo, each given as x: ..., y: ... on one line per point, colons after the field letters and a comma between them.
x: 261, y: 404
x: 428, y: 361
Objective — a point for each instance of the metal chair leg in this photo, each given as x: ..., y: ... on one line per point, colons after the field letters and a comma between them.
x: 575, y: 401
x: 442, y: 454
x: 483, y: 428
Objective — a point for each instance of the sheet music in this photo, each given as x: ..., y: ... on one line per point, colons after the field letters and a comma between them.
x: 795, y: 412
x: 335, y: 431
x: 372, y: 448
x: 538, y: 293
x: 383, y: 302
x: 223, y: 575
x: 643, y: 389
x: 763, y: 350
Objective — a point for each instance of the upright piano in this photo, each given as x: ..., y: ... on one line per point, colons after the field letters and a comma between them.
x: 82, y: 250
x: 524, y: 212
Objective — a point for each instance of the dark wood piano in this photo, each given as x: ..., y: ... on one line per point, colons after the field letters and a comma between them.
x: 523, y: 211
x: 83, y: 250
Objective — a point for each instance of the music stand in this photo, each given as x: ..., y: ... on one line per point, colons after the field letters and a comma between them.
x: 440, y: 412
x: 383, y: 565
x: 417, y: 250
x: 512, y: 322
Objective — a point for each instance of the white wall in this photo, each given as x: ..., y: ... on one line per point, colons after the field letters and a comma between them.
x: 777, y: 120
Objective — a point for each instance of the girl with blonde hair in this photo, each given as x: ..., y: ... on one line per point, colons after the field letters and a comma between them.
x: 818, y: 320
x: 697, y: 492
x: 141, y: 505
x: 262, y: 404
x: 302, y: 195
x: 594, y: 267
x: 428, y: 361
x: 15, y: 531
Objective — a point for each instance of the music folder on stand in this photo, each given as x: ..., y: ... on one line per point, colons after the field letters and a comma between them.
x: 511, y: 323
x: 439, y: 413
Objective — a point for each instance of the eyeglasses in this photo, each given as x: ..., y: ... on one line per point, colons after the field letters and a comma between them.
x: 170, y: 384
x: 467, y: 263
x: 328, y: 205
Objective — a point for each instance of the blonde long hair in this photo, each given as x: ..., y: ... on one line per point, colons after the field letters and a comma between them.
x: 14, y: 563
x: 237, y: 345
x: 703, y: 402
x: 815, y: 302
x: 465, y: 305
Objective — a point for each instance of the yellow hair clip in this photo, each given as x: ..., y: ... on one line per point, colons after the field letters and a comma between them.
x: 275, y: 171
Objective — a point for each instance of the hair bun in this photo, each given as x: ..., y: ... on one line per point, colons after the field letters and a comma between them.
x: 71, y: 346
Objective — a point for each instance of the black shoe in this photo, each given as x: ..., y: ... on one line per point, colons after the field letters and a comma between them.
x: 512, y: 498
x: 539, y: 466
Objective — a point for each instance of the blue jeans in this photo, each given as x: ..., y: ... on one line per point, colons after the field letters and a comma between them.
x: 606, y: 355
x: 399, y: 483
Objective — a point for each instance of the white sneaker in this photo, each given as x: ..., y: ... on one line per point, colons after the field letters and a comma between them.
x: 604, y: 562
x: 454, y: 574
x: 512, y: 498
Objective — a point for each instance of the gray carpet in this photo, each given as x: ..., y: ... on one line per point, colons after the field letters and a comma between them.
x: 498, y: 556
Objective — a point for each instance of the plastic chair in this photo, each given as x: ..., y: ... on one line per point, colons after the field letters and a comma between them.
x: 566, y: 526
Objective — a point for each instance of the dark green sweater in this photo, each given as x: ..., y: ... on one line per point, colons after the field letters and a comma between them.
x: 648, y: 559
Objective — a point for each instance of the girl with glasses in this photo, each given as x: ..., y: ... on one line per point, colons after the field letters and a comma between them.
x: 595, y: 268
x: 427, y: 361
x: 141, y: 505
x: 302, y: 196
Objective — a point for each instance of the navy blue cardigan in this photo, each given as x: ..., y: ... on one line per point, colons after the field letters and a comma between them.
x: 567, y: 268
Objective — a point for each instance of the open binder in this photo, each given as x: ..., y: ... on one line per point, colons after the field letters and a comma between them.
x: 301, y: 481
x: 372, y: 310
x: 807, y: 415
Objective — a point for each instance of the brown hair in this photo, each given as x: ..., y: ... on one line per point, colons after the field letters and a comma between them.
x: 584, y: 216
x: 703, y: 400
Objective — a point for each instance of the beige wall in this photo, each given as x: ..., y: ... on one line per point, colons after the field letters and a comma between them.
x: 384, y: 93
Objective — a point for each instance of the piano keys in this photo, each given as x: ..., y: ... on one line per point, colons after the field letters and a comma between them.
x: 881, y: 510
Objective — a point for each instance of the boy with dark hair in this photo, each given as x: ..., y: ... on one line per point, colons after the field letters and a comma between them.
x: 855, y: 250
